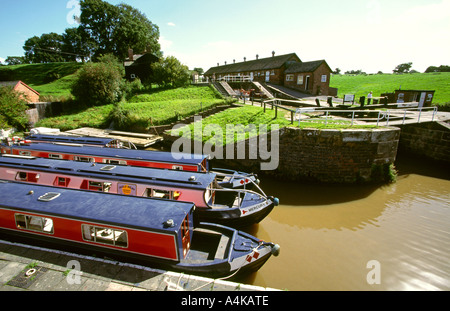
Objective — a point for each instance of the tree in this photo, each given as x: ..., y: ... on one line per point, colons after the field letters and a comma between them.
x: 337, y: 71
x: 441, y: 68
x: 115, y: 29
x: 199, y: 70
x: 12, y: 109
x: 75, y: 46
x: 170, y: 72
x: 15, y: 60
x: 44, y: 49
x: 99, y: 83
x: 403, y: 68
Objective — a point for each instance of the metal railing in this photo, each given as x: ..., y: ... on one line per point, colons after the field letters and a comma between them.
x: 410, y: 115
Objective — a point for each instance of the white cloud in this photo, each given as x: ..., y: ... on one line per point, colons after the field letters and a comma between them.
x: 2, y: 60
x: 171, y: 24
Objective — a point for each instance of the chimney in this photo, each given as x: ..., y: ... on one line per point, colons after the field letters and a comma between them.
x: 234, y: 61
x: 245, y: 59
x: 225, y: 62
x: 130, y: 54
x: 218, y: 65
x: 257, y: 56
x: 273, y: 53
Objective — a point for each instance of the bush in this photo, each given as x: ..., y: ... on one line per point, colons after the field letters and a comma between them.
x: 98, y: 84
x: 12, y: 110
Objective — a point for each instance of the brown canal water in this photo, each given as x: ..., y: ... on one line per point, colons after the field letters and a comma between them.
x: 334, y: 237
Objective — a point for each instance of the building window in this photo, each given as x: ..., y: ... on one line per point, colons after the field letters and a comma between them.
x: 103, y: 235
x: 289, y: 77
x: 300, y: 79
x: 324, y: 78
x: 272, y: 73
x: 34, y: 223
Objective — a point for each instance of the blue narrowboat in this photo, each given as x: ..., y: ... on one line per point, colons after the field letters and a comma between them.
x: 155, y: 232
x: 129, y: 157
x: 103, y: 142
x: 231, y: 207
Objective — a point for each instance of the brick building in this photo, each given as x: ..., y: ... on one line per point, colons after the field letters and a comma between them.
x: 285, y: 70
x: 139, y: 65
x: 26, y: 92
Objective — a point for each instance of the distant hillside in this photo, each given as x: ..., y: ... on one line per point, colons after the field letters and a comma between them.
x: 48, y: 79
x: 361, y: 85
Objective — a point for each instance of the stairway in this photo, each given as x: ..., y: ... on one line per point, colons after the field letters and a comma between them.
x: 224, y: 88
x: 262, y: 89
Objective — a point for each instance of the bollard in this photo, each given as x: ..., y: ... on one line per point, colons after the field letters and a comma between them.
x: 362, y: 99
x: 330, y: 101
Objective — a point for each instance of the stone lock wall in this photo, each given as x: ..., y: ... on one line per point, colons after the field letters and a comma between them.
x: 331, y: 156
x: 429, y: 139
x: 343, y: 156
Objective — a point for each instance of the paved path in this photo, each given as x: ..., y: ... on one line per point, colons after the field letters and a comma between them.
x: 28, y: 268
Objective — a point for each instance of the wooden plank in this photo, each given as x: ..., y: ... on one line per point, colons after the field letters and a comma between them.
x: 138, y: 139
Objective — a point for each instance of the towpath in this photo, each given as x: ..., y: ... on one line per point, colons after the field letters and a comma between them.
x: 29, y: 268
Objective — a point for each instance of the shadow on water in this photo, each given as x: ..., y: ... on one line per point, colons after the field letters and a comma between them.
x: 412, y: 164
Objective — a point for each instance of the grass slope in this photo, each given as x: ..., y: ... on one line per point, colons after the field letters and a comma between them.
x: 361, y: 85
x: 142, y: 111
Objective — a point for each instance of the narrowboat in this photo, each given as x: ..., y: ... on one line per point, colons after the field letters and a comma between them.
x: 155, y: 232
x: 231, y: 207
x: 103, y: 142
x: 127, y: 157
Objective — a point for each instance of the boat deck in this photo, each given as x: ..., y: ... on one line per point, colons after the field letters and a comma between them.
x: 139, y: 140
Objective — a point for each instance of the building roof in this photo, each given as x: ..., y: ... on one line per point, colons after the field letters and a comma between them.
x: 14, y: 84
x: 268, y: 63
x: 305, y: 66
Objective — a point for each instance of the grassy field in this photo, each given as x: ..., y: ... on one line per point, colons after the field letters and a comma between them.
x: 361, y: 85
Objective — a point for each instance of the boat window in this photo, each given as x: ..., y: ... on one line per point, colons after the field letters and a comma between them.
x: 115, y: 162
x: 54, y: 156
x: 34, y: 223
x: 83, y: 159
x: 24, y: 153
x: 177, y: 167
x: 104, y: 235
x: 95, y: 185
x: 61, y: 182
x: 158, y: 193
x: 27, y: 176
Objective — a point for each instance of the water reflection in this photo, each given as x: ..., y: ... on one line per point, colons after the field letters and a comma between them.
x: 328, y: 234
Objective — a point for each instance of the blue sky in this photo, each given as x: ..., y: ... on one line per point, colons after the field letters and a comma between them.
x: 371, y: 35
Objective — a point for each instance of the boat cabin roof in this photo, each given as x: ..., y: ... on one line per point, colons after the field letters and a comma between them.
x: 101, y: 141
x: 140, y: 155
x: 136, y: 174
x: 107, y: 208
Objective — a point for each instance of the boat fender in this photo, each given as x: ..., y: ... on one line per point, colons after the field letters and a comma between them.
x: 275, y: 200
x: 275, y: 249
